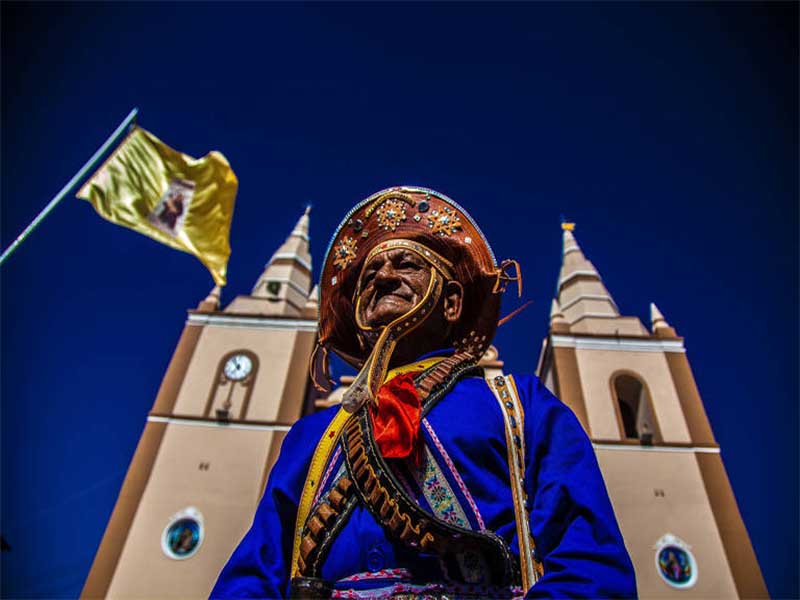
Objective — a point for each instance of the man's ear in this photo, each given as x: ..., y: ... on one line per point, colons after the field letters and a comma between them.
x: 453, y: 301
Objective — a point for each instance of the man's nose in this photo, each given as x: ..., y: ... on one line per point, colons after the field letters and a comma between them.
x: 386, y: 275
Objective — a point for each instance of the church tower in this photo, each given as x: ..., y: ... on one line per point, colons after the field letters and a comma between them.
x: 236, y: 382
x: 633, y: 391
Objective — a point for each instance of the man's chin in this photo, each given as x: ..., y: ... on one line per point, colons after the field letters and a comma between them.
x: 379, y: 323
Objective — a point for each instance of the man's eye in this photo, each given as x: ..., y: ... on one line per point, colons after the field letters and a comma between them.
x: 407, y: 264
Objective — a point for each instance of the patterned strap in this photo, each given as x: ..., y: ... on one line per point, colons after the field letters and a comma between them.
x: 404, y: 520
x: 505, y: 390
x: 318, y: 462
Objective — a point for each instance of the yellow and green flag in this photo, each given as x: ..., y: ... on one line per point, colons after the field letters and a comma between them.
x: 180, y: 201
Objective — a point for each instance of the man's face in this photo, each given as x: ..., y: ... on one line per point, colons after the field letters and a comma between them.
x: 392, y: 283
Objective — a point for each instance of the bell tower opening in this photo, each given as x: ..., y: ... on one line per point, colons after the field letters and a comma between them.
x: 635, y: 409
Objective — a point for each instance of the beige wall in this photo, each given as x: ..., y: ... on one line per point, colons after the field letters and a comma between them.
x: 588, y: 306
x: 596, y: 368
x: 604, y: 326
x: 226, y: 495
x: 292, y: 272
x: 581, y: 287
x: 261, y: 305
x: 684, y: 511
x: 274, y: 348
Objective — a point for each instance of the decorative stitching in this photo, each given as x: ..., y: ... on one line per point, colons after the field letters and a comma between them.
x: 327, y: 474
x: 438, y: 492
x: 448, y: 461
x: 432, y: 591
x: 506, y: 394
x: 382, y: 574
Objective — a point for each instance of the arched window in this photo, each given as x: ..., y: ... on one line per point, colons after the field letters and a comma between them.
x: 635, y: 409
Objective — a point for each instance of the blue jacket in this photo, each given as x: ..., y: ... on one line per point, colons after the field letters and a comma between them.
x: 464, y: 480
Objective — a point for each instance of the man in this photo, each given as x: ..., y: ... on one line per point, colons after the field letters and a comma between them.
x: 429, y: 481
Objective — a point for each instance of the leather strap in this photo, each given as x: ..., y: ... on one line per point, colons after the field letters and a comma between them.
x: 328, y: 519
x: 320, y: 459
x: 420, y: 366
x: 505, y: 390
x: 309, y: 588
x: 404, y: 520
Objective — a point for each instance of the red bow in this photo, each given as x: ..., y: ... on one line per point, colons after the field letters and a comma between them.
x: 395, y: 419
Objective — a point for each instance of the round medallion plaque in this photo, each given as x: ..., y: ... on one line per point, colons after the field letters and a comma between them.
x: 675, y: 562
x: 183, y: 535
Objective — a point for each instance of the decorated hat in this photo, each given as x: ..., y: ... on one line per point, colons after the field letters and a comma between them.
x: 433, y: 226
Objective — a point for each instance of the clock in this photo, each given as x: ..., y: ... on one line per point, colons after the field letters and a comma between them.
x: 238, y: 367
x: 233, y: 384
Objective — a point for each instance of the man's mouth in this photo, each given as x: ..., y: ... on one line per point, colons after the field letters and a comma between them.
x: 378, y: 298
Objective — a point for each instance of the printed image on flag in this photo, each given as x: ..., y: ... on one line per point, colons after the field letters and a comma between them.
x: 180, y: 201
x: 170, y: 212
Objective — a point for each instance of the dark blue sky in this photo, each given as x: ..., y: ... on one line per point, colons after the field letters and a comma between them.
x: 669, y: 132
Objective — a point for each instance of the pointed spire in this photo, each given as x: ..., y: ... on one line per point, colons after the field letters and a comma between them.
x: 301, y: 228
x: 573, y: 262
x: 287, y: 275
x: 659, y: 324
x: 580, y: 287
x: 570, y: 244
x: 656, y: 318
x: 286, y: 279
x: 583, y: 300
x: 211, y: 302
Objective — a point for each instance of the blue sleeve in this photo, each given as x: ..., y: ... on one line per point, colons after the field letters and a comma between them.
x: 259, y: 567
x: 572, y: 521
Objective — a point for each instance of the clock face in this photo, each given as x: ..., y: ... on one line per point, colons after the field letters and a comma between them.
x: 238, y: 367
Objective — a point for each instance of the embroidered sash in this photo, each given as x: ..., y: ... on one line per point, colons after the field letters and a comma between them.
x: 505, y: 391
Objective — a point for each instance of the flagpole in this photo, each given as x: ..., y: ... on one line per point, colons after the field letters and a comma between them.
x: 90, y: 164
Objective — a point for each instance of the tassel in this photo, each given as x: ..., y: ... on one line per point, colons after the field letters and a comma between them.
x: 503, y: 278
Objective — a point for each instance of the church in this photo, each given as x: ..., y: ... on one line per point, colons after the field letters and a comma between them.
x: 238, y: 379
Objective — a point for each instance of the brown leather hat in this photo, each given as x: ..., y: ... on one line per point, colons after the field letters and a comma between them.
x: 436, y: 222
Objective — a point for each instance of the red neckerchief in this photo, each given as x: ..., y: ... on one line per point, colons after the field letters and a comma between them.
x: 396, y: 418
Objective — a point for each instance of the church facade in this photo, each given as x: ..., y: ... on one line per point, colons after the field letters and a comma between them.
x: 235, y: 384
x: 633, y: 391
x: 238, y: 379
